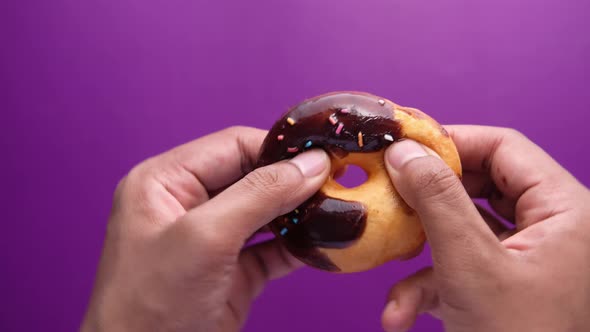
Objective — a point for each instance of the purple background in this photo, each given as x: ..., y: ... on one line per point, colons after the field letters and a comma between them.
x: 89, y: 89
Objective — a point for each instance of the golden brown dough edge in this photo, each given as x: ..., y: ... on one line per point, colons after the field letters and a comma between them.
x: 393, y: 229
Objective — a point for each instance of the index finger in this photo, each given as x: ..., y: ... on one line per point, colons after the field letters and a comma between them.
x: 221, y: 158
x: 512, y: 160
x: 198, y: 169
x: 523, y: 173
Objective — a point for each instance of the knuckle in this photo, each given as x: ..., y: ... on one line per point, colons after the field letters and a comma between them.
x: 262, y: 178
x: 270, y: 181
x: 138, y: 172
x: 438, y: 181
x: 135, y: 179
x: 139, y: 175
x: 119, y: 195
x: 137, y: 187
x: 120, y: 189
x: 234, y: 131
x: 513, y: 134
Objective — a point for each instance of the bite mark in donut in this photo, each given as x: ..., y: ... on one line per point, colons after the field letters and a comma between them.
x: 352, y: 229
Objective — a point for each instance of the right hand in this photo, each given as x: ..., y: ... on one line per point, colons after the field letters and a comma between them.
x: 486, y: 277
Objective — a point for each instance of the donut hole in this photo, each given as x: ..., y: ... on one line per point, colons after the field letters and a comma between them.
x: 351, y: 176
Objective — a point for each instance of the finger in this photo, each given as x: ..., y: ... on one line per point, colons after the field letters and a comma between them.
x: 337, y: 174
x: 340, y: 172
x: 519, y: 168
x: 481, y: 148
x: 409, y: 298
x: 451, y: 221
x: 258, y: 265
x: 261, y: 196
x: 481, y: 185
x: 192, y: 171
x: 413, y: 253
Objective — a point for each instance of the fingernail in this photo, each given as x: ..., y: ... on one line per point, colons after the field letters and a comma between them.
x: 392, y: 324
x: 392, y: 305
x: 398, y: 154
x: 311, y: 163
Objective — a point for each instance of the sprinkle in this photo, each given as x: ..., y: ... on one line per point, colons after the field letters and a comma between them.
x: 292, y: 149
x: 296, y: 211
x: 388, y: 137
x: 284, y: 231
x: 295, y: 220
x: 333, y: 119
x: 281, y: 137
x: 308, y: 144
x: 339, y: 129
x: 291, y: 121
x: 345, y: 111
x: 381, y: 102
x: 360, y: 136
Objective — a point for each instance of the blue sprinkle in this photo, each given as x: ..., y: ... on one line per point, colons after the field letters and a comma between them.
x: 308, y: 144
x: 295, y: 220
x: 284, y: 231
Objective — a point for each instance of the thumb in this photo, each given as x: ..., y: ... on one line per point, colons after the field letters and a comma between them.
x: 451, y: 221
x: 410, y: 297
x: 263, y: 195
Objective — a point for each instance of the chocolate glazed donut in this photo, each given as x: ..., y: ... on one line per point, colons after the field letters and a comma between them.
x: 352, y: 229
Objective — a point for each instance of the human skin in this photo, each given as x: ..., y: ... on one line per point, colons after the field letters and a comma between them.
x: 174, y: 257
x: 485, y: 277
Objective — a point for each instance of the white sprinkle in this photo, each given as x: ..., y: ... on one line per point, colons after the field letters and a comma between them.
x: 381, y: 102
x: 388, y: 137
x: 333, y: 119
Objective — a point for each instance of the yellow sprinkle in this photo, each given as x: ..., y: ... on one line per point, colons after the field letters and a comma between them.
x: 360, y: 136
x: 291, y: 121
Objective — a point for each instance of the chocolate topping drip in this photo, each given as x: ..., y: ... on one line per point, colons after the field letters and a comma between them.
x: 321, y: 222
x: 341, y: 222
x: 339, y: 123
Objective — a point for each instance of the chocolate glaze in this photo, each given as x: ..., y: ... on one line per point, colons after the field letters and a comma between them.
x: 325, y: 222
x: 321, y: 222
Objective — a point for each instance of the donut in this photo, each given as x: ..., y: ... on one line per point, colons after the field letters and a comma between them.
x: 355, y: 229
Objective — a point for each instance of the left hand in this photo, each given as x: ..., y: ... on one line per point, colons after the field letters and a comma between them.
x: 174, y: 257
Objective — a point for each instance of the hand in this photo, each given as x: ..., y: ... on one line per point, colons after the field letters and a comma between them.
x: 488, y: 277
x: 173, y: 258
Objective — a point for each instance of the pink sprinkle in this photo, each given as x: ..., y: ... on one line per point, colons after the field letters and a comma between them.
x: 345, y: 111
x: 333, y: 119
x: 292, y: 149
x: 339, y: 129
x: 281, y: 137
